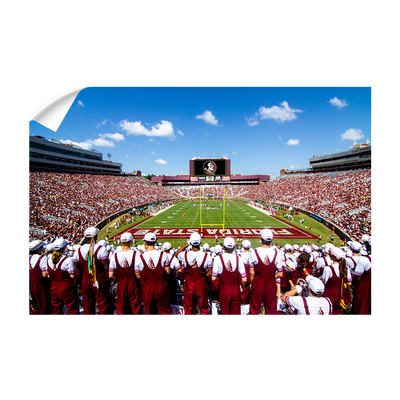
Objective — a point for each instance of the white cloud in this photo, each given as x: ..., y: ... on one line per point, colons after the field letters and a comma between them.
x: 83, y: 145
x: 100, y: 142
x: 159, y: 161
x: 163, y: 129
x: 114, y: 136
x: 80, y: 103
x: 352, y: 134
x: 102, y: 123
x: 89, y: 143
x: 279, y: 137
x: 180, y: 132
x: 253, y: 121
x: 292, y: 167
x: 208, y: 117
x: 234, y: 153
x: 293, y: 142
x: 153, y: 153
x: 282, y: 113
x: 338, y: 103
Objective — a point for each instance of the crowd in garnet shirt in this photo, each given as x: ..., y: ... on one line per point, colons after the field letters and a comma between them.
x: 343, y: 198
x: 63, y: 205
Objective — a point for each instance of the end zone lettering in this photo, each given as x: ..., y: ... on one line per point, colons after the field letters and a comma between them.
x: 184, y: 233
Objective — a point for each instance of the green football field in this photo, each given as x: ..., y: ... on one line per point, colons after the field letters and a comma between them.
x: 242, y: 221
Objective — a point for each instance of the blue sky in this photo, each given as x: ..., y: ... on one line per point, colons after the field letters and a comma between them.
x: 262, y: 130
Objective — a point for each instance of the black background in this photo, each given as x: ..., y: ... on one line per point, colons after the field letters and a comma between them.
x: 198, y: 167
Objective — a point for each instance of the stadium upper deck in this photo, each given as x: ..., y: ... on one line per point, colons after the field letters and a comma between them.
x: 54, y: 156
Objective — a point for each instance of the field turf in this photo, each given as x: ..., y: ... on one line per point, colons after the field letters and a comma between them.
x: 176, y: 223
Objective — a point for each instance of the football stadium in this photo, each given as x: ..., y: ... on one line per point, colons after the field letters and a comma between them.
x: 102, y: 243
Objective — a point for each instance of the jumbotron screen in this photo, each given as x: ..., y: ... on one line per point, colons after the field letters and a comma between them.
x: 210, y: 167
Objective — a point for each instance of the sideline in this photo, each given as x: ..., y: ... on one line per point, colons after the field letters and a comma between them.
x: 261, y: 210
x: 165, y: 209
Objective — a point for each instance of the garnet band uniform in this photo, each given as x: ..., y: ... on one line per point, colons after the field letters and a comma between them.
x: 154, y: 286
x: 39, y: 286
x: 195, y: 292
x: 310, y: 305
x: 266, y: 262
x: 63, y: 289
x: 90, y: 293
x: 228, y: 268
x: 128, y: 289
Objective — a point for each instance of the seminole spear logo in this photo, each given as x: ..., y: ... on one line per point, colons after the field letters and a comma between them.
x: 210, y: 168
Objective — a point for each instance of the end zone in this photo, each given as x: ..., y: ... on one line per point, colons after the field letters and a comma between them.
x: 209, y: 233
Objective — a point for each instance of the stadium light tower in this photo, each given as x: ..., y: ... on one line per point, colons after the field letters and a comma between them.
x: 108, y: 156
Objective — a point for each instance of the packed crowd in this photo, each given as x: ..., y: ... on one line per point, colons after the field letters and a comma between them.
x: 343, y: 198
x: 60, y: 205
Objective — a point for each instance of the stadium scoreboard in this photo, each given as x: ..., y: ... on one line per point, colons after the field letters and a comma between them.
x: 210, y: 169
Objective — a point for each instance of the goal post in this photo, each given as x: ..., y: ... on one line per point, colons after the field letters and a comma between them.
x: 202, y: 224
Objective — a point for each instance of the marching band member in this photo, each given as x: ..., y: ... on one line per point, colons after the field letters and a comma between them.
x: 226, y: 272
x: 289, y: 265
x: 91, y: 263
x: 61, y: 271
x: 332, y: 276
x: 151, y: 271
x: 265, y: 267
x: 362, y: 286
x: 171, y: 278
x: 352, y: 259
x: 122, y: 267
x: 246, y: 293
x: 314, y: 304
x: 197, y: 266
x: 324, y: 261
x: 300, y: 271
x: 39, y: 284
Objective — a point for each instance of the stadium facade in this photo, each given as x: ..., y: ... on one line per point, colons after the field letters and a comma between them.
x: 54, y: 156
x: 358, y: 156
